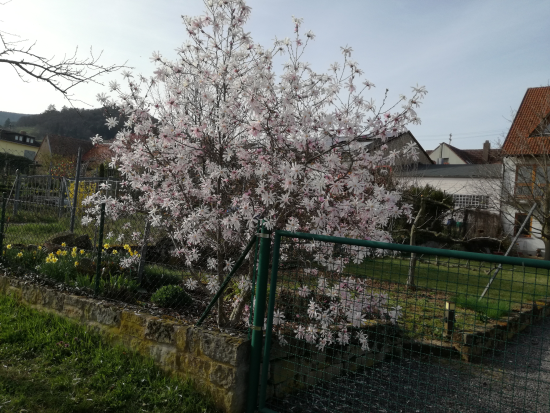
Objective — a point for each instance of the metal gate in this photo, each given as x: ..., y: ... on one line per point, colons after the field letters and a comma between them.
x: 359, y: 326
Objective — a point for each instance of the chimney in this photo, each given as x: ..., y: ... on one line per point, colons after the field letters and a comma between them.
x: 486, y: 151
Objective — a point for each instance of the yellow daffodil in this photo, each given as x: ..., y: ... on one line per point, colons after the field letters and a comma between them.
x: 8, y: 246
x: 19, y: 255
x: 58, y: 252
x: 63, y: 244
x: 76, y: 263
x: 74, y: 249
x: 126, y: 247
x: 54, y: 260
x: 73, y: 254
x: 106, y: 246
x: 63, y: 253
x: 39, y: 248
x: 82, y: 252
x: 48, y: 259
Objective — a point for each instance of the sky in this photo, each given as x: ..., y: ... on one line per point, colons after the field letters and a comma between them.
x: 476, y: 58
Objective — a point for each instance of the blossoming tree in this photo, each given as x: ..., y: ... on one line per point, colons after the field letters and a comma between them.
x: 218, y: 138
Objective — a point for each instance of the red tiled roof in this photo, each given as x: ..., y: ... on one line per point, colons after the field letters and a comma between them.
x: 534, y: 109
x: 65, y: 146
x: 99, y: 153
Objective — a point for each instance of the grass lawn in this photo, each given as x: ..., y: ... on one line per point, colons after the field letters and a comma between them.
x: 448, y: 279
x: 49, y: 364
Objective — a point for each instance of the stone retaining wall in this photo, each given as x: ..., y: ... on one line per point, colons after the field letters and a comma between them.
x: 217, y: 362
x: 473, y: 344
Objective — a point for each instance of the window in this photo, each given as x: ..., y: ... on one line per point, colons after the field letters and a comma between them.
x: 520, y: 218
x: 531, y: 180
x: 471, y: 201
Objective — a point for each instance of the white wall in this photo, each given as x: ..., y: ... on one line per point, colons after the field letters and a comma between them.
x: 443, y: 151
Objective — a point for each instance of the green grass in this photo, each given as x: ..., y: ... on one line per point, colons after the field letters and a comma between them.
x: 454, y: 277
x: 489, y: 308
x: 49, y: 364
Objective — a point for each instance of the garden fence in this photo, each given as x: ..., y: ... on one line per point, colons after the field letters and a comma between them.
x: 335, y: 324
x: 127, y: 260
x: 345, y: 333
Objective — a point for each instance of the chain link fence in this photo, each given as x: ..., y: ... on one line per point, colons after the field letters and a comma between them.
x: 349, y: 328
x: 48, y: 235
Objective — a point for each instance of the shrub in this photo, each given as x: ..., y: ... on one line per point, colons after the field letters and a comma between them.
x: 171, y: 296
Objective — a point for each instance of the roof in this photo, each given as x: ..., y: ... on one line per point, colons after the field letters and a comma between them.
x: 65, y: 146
x: 408, y: 134
x: 457, y: 171
x: 98, y: 153
x: 474, y: 156
x: 9, y: 135
x: 534, y: 109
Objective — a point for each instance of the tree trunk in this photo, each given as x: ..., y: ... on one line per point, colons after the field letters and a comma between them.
x: 546, y: 248
x: 412, y: 263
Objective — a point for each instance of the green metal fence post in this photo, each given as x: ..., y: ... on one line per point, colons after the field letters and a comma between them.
x: 259, y: 311
x: 3, y: 219
x: 99, y: 248
x: 269, y: 324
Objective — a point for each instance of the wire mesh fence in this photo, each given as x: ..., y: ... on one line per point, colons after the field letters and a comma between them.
x: 349, y: 329
x: 126, y: 259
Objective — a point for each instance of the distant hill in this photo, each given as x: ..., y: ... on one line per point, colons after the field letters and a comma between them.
x: 12, y: 116
x: 75, y: 123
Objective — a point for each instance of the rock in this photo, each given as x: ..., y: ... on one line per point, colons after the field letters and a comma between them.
x: 63, y: 237
x: 83, y: 242
x: 70, y: 240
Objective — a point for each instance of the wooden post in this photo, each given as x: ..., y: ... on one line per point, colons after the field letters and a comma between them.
x: 17, y: 189
x: 449, y: 322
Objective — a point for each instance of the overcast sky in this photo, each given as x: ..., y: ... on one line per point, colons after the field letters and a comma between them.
x: 476, y: 58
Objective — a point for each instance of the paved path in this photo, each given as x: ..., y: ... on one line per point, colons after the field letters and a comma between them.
x: 513, y: 380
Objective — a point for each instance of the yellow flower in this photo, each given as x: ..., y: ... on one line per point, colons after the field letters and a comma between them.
x: 63, y: 253
x: 39, y: 248
x: 19, y: 255
x: 126, y: 247
x: 54, y: 260
x: 73, y: 254
x: 63, y: 244
x: 48, y: 259
x: 115, y: 252
x: 8, y: 246
x: 76, y: 263
x: 106, y: 246
x: 74, y: 249
x: 82, y: 252
x: 58, y: 252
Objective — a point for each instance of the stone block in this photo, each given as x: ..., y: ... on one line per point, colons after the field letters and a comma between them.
x: 106, y: 315
x: 14, y: 292
x: 133, y: 324
x: 223, y: 376
x: 197, y: 367
x: 163, y: 355
x: 32, y: 294
x: 73, y: 307
x: 180, y: 335
x: 222, y: 347
x: 160, y: 330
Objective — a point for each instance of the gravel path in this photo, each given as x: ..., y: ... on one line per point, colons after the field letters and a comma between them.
x: 515, y: 379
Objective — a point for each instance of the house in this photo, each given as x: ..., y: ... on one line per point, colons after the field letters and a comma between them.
x: 100, y: 153
x: 472, y: 186
x: 397, y: 143
x: 18, y: 143
x: 450, y: 155
x: 526, y: 181
x: 58, y: 154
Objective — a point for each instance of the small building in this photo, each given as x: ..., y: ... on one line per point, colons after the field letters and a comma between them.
x: 57, y: 154
x: 446, y: 154
x: 18, y: 144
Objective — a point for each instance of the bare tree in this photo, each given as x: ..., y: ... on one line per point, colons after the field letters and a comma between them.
x: 62, y: 73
